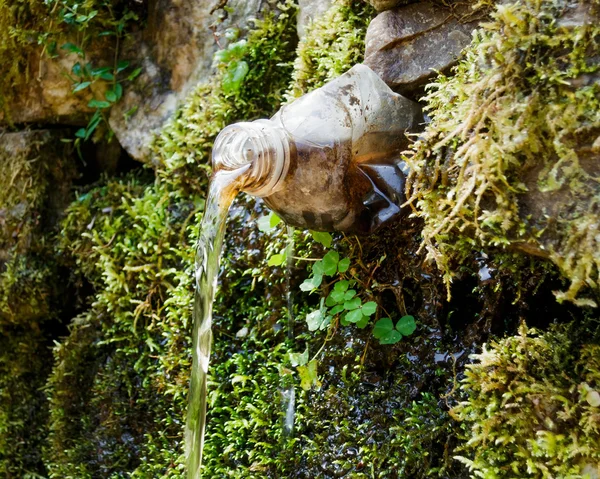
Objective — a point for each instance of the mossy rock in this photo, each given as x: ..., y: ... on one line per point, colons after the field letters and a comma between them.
x: 532, y: 405
x: 510, y: 160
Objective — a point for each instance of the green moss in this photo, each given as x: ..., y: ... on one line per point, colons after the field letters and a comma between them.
x: 24, y: 362
x: 505, y: 162
x: 530, y: 407
x: 333, y: 44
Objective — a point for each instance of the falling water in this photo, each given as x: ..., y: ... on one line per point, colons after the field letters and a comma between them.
x: 223, y: 188
x: 288, y: 393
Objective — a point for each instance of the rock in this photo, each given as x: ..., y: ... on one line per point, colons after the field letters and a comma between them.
x: 47, y: 97
x: 36, y: 178
x: 382, y: 5
x: 175, y: 53
x: 309, y: 11
x: 407, y: 45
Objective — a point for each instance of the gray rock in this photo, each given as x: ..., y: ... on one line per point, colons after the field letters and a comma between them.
x: 308, y: 12
x: 175, y: 52
x: 405, y: 46
x: 382, y: 5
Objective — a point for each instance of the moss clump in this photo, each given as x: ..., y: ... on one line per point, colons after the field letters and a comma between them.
x: 334, y: 43
x: 508, y: 160
x: 532, y: 407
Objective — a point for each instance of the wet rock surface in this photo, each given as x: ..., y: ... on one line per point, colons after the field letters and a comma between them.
x: 407, y: 45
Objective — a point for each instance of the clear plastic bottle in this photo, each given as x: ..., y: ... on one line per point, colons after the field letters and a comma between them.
x: 329, y: 160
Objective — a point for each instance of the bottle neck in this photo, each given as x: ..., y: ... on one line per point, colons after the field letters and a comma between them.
x: 261, y: 144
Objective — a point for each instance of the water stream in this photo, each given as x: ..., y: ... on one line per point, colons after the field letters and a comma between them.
x: 224, y: 187
x: 288, y: 392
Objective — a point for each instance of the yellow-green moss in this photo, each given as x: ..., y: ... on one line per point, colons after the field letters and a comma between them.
x: 532, y: 405
x: 518, y: 120
x: 333, y: 44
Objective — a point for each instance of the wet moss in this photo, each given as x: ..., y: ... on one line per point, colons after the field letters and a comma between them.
x: 507, y: 161
x: 532, y: 403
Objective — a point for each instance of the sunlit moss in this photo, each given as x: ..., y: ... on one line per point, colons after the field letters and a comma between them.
x: 514, y: 131
x: 532, y: 405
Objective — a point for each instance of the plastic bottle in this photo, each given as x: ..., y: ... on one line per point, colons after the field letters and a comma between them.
x: 329, y: 160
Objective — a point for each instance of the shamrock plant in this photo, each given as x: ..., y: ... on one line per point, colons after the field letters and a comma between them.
x: 345, y: 301
x: 387, y: 333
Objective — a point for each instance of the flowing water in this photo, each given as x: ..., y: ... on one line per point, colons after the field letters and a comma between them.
x: 288, y: 393
x: 224, y: 186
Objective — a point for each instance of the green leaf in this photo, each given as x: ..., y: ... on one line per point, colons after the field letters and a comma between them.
x: 406, y: 325
x: 263, y: 224
x: 299, y: 359
x: 336, y: 309
x: 72, y: 48
x: 76, y: 69
x: 81, y: 86
x: 324, y: 238
x: 354, y: 316
x: 391, y: 338
x: 134, y: 74
x: 352, y: 304
x: 234, y: 77
x: 107, y: 76
x: 267, y: 223
x: 274, y: 220
x: 385, y: 332
x: 348, y: 295
x: 122, y: 65
x: 237, y: 49
x: 335, y: 297
x: 318, y: 269
x: 111, y: 96
x: 80, y: 133
x: 330, y: 262
x: 98, y: 104
x: 369, y: 308
x: 344, y: 265
x: 383, y: 327
x: 311, y: 283
x: 362, y: 324
x: 315, y: 320
x: 308, y: 375
x: 118, y: 89
x: 276, y: 259
x: 93, y: 124
x: 341, y: 285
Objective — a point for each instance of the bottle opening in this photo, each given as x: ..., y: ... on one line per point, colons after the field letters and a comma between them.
x: 262, y: 145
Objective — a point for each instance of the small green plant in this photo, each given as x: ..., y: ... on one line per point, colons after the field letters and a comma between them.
x: 387, y: 333
x: 231, y: 61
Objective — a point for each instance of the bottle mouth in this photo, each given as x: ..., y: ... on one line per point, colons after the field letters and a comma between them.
x: 259, y: 144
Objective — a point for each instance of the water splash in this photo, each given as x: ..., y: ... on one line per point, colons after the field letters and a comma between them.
x: 224, y: 187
